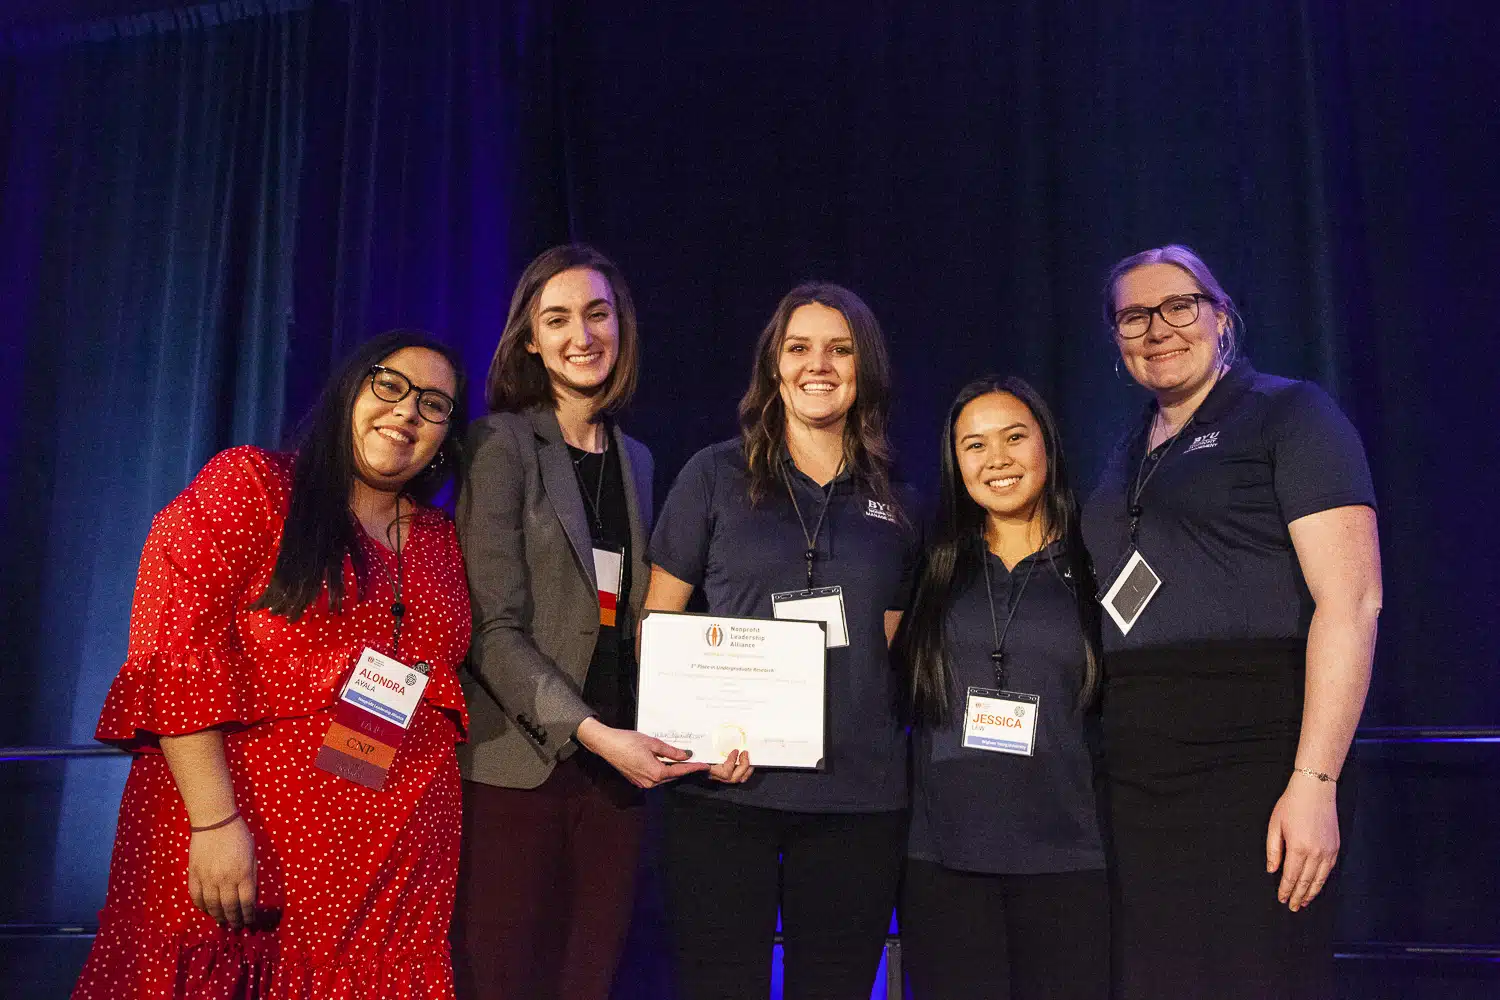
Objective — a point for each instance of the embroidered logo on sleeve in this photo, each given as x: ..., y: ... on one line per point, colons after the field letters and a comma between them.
x: 1202, y: 441
x: 884, y: 511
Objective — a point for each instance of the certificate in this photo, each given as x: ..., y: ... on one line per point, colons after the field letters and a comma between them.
x: 712, y: 684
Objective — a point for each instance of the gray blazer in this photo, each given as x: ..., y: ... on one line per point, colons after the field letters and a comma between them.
x: 525, y: 537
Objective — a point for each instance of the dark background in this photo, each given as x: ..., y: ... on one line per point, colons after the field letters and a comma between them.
x: 201, y: 207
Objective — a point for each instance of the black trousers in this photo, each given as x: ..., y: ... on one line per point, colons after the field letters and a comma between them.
x: 969, y: 936
x: 728, y: 868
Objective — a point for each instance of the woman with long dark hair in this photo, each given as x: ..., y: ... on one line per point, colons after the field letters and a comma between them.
x: 1005, y: 894
x: 265, y: 847
x: 802, y: 499
x: 1234, y: 533
x: 553, y: 517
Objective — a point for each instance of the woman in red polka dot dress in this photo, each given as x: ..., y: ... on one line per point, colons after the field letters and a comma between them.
x: 241, y: 869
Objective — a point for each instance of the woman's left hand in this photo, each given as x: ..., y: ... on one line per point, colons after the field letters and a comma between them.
x: 1303, y: 839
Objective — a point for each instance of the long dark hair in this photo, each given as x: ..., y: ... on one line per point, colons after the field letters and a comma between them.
x: 518, y: 380
x: 320, y: 531
x: 867, y: 453
x: 957, y: 546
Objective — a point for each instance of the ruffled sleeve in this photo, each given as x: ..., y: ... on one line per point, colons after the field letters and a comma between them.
x: 185, y: 669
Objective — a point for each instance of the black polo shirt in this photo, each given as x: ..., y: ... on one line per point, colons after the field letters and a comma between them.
x: 979, y: 811
x: 1261, y: 452
x: 710, y: 536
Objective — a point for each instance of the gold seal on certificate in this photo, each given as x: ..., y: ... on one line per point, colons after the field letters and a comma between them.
x: 712, y: 684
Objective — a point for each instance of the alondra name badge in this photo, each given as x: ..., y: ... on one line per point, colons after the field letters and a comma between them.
x: 371, y: 718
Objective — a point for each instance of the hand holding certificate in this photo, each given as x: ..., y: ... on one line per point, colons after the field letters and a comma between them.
x: 713, y: 684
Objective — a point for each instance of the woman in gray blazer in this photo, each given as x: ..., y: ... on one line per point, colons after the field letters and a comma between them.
x: 554, y: 518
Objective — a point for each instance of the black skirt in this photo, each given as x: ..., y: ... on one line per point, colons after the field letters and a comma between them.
x: 1199, y: 743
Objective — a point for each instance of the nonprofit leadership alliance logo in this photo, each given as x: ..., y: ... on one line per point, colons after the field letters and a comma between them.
x: 1202, y: 441
x: 714, y: 635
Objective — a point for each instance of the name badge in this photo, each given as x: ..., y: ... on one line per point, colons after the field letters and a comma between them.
x: 1132, y: 590
x: 373, y: 713
x: 822, y: 604
x: 1000, y: 721
x: 609, y: 567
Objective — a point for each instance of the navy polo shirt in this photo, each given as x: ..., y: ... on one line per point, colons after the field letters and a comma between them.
x: 710, y: 536
x: 979, y: 811
x: 1260, y: 452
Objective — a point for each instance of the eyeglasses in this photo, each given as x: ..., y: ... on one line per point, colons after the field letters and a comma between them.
x: 434, y: 405
x: 1175, y: 310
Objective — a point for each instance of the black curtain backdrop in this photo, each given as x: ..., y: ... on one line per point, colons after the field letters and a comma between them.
x: 199, y: 212
x: 146, y: 248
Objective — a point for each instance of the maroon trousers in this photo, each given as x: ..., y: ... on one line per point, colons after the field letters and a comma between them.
x: 545, y: 885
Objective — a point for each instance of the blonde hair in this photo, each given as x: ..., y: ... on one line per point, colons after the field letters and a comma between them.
x: 1184, y: 258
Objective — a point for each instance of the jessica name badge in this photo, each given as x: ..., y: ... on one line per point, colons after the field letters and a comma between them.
x: 1000, y: 721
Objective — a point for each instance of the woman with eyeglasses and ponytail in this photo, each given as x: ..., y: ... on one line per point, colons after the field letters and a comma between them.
x: 290, y: 824
x: 1005, y: 895
x: 1234, y: 535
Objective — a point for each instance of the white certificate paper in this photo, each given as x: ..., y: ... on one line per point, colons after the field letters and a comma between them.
x: 712, y: 684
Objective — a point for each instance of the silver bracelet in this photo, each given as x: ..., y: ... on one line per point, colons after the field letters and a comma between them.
x: 1316, y: 774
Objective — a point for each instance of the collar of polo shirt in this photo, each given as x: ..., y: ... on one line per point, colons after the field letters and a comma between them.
x: 1232, y: 385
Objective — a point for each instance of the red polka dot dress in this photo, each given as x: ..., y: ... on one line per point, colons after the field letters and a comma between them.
x: 359, y: 884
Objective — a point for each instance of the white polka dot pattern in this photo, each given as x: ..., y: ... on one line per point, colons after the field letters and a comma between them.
x: 363, y: 880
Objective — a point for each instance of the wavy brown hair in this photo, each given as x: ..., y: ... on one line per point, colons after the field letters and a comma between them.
x: 867, y: 454
x: 518, y: 380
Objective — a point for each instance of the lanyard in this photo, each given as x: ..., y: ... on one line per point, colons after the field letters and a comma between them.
x: 594, y: 509
x: 1142, y: 476
x: 997, y: 655
x: 811, y: 554
x: 398, y: 609
x: 1133, y: 497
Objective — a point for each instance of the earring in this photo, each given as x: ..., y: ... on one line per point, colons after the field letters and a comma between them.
x: 436, y: 463
x: 1117, y: 368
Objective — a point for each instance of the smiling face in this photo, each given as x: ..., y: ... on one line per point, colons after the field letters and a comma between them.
x: 816, y: 367
x: 576, y: 331
x: 392, y: 441
x: 1001, y: 456
x: 1173, y: 362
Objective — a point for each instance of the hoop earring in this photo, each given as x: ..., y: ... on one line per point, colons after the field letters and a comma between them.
x: 1117, y: 369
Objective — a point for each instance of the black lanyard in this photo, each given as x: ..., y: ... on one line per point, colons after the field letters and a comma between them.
x: 1133, y: 496
x: 811, y: 553
x: 1133, y: 506
x: 595, y: 510
x: 398, y: 609
x: 997, y: 655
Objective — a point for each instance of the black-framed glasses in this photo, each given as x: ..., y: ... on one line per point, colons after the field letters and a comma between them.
x: 434, y: 405
x: 1174, y: 310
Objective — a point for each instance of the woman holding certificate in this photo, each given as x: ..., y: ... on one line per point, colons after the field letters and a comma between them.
x: 282, y: 834
x: 1233, y: 532
x: 553, y: 518
x: 1005, y: 894
x: 799, y: 508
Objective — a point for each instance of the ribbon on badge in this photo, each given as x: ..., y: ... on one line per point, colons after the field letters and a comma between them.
x: 371, y: 717
x: 609, y: 566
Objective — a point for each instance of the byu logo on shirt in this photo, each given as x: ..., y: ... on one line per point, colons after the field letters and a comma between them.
x: 884, y: 511
x: 1202, y: 441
